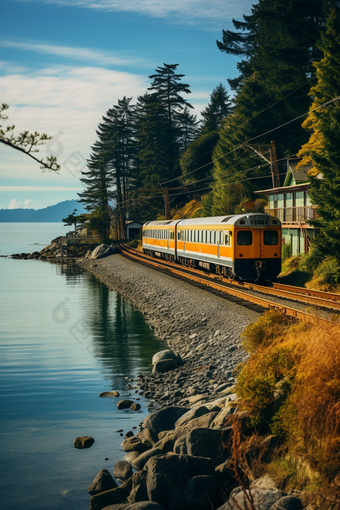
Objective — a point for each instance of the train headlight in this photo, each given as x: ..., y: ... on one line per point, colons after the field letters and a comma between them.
x: 275, y: 254
x: 240, y: 255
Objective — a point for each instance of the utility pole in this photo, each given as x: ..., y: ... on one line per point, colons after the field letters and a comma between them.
x: 268, y: 153
x: 165, y: 192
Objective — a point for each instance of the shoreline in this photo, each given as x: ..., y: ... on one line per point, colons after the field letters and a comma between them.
x: 202, y: 328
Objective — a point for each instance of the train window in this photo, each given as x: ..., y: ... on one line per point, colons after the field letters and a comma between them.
x: 270, y: 237
x: 215, y: 237
x: 226, y: 238
x: 244, y: 237
x: 221, y: 238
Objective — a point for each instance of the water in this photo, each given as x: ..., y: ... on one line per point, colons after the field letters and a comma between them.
x: 64, y: 339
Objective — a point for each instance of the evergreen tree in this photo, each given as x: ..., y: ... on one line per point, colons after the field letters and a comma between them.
x: 218, y: 109
x: 277, y: 43
x: 196, y: 161
x: 112, y: 161
x: 168, y: 89
x: 323, y: 147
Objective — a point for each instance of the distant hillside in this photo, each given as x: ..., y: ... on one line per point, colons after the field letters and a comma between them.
x: 51, y: 214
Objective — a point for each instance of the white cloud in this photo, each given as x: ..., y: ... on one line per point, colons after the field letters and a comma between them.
x: 100, y: 58
x: 189, y: 12
x: 62, y: 99
x: 17, y: 204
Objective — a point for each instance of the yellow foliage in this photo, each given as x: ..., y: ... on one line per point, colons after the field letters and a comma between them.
x: 291, y: 384
x: 188, y: 211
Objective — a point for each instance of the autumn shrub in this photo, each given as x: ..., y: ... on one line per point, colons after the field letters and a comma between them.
x: 290, y: 386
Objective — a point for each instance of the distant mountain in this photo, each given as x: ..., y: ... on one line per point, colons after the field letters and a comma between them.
x: 52, y: 214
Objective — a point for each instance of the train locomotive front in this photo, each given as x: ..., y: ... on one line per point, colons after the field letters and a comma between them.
x: 246, y: 247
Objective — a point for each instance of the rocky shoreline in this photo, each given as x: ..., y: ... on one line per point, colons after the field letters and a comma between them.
x: 183, y: 454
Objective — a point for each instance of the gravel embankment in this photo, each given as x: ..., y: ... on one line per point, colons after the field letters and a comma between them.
x: 203, y: 328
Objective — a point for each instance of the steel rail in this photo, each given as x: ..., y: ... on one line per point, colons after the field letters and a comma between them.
x: 221, y: 288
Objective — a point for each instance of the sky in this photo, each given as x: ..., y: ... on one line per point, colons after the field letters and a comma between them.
x: 64, y: 63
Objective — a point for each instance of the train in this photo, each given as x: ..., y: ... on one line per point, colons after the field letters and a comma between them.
x: 244, y: 247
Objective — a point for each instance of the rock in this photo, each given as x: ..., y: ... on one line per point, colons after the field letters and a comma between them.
x: 125, y: 404
x: 168, y: 441
x: 109, y: 394
x: 287, y: 503
x: 107, y: 498
x: 164, y: 366
x: 265, y: 482
x: 211, y: 443
x: 102, y: 482
x: 221, y: 419
x: 101, y: 251
x: 145, y: 505
x: 129, y: 434
x: 131, y: 456
x: 122, y: 470
x: 168, y: 474
x: 164, y: 419
x: 134, y: 444
x: 135, y: 406
x: 138, y: 494
x: 262, y: 500
x: 142, y: 459
x: 162, y: 355
x: 83, y: 442
x: 180, y: 445
x: 197, y: 494
x: 191, y: 415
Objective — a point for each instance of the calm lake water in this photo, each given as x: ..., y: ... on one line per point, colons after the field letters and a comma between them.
x: 64, y: 339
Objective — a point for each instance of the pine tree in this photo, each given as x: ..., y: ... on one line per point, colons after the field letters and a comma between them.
x: 323, y: 147
x: 277, y: 43
x: 112, y: 162
x: 219, y: 107
x: 168, y: 89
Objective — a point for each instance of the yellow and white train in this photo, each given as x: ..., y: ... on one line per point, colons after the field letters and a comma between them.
x: 246, y: 247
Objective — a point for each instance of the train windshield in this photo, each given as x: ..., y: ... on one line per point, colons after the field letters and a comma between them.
x: 244, y: 237
x: 270, y: 237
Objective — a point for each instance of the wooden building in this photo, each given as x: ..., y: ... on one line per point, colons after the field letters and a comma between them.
x: 291, y: 204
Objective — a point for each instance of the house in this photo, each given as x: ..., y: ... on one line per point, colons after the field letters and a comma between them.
x: 133, y: 229
x: 291, y: 204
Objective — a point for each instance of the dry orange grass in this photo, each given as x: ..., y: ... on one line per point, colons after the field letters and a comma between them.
x: 301, y: 364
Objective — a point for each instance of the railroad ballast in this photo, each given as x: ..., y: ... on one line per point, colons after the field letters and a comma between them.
x: 246, y: 246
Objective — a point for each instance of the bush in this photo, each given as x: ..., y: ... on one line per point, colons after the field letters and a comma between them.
x: 286, y: 251
x: 328, y: 272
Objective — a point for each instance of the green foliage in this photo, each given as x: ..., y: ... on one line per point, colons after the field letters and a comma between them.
x: 261, y: 334
x: 277, y: 46
x: 323, y: 147
x: 329, y: 272
x: 217, y: 110
x: 286, y: 251
x: 71, y: 219
x: 196, y: 161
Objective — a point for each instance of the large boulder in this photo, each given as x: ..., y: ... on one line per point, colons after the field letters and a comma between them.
x: 164, y: 365
x: 168, y: 474
x: 102, y: 482
x: 165, y: 354
x: 142, y: 459
x: 289, y: 502
x: 191, y: 415
x: 167, y: 442
x: 211, y: 443
x: 161, y: 420
x: 102, y: 251
x: 122, y: 470
x: 134, y: 444
x: 198, y: 494
x: 260, y: 499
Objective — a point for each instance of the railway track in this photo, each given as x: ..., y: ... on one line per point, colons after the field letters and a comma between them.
x: 293, y: 301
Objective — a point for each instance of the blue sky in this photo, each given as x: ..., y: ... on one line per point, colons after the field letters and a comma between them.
x: 63, y: 63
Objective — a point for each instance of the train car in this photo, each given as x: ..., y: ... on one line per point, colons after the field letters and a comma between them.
x: 246, y: 247
x: 159, y: 238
